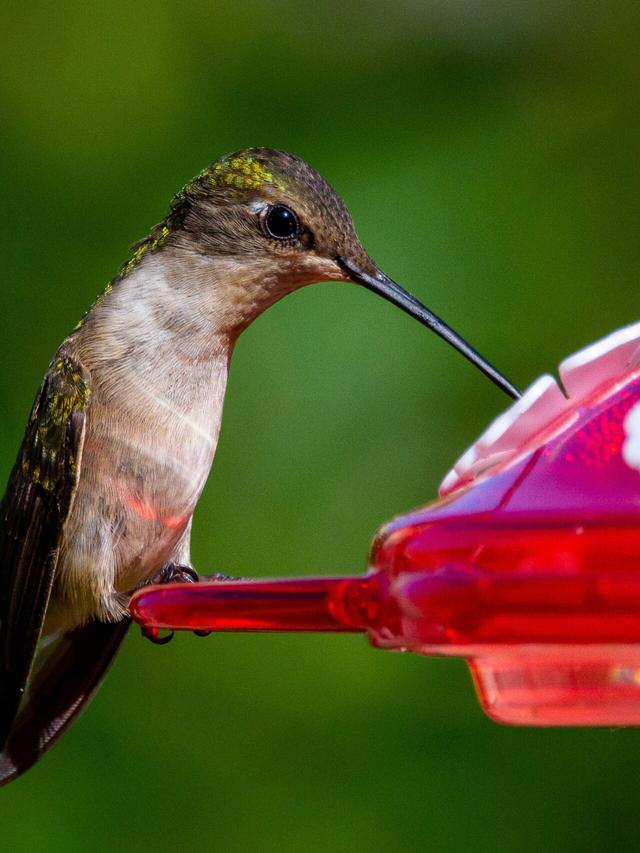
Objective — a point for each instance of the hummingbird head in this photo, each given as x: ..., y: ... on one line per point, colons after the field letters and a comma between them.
x: 270, y: 208
x: 271, y: 224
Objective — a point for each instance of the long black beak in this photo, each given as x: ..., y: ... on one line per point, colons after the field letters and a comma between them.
x: 388, y: 289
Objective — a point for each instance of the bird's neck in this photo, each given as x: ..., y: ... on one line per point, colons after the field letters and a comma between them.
x: 181, y: 299
x: 161, y: 334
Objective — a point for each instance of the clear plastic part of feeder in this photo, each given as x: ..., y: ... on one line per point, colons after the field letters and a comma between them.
x: 528, y: 566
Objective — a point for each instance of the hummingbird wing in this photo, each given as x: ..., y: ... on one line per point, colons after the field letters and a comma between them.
x: 66, y: 676
x: 33, y: 511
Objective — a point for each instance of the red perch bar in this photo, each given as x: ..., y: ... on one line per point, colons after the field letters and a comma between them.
x: 528, y: 566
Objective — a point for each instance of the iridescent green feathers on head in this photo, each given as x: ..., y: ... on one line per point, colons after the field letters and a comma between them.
x: 214, y: 213
x: 247, y: 175
x: 240, y: 174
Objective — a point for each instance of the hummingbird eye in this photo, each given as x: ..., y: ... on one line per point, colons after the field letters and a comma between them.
x: 281, y: 223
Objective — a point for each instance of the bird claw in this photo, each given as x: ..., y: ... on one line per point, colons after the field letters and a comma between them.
x: 153, y: 635
x: 179, y: 573
x: 176, y: 573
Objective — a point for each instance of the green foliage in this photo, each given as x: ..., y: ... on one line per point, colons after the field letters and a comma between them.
x: 488, y: 153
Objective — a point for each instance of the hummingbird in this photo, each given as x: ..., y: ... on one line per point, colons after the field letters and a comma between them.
x: 124, y: 428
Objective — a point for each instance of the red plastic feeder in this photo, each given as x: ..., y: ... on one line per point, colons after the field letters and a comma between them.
x: 528, y: 566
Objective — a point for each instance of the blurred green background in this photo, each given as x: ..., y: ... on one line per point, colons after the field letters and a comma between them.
x: 489, y: 154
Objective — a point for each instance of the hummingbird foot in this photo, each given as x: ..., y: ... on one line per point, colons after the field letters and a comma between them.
x: 153, y: 635
x: 176, y: 573
x: 173, y: 572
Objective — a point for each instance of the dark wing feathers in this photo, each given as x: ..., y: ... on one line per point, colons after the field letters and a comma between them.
x: 32, y: 514
x: 65, y: 678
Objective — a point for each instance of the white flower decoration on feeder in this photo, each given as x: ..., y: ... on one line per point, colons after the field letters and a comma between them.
x: 631, y: 447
